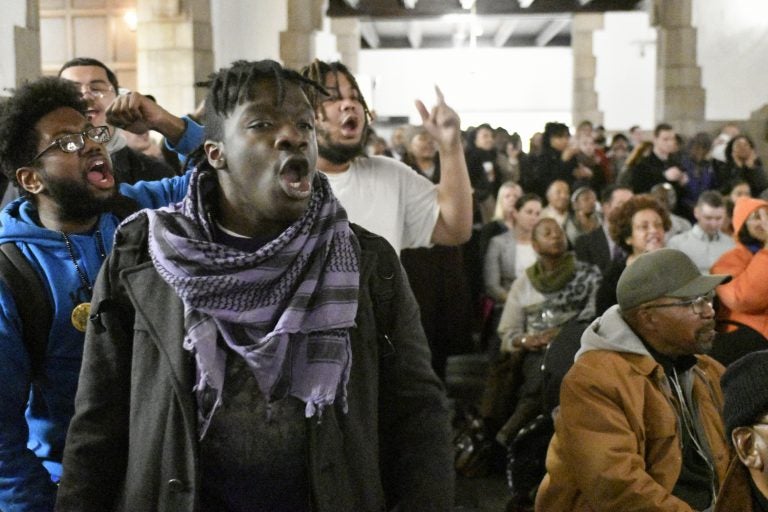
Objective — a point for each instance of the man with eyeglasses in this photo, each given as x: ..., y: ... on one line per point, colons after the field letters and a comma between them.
x: 745, y: 412
x: 99, y: 88
x: 64, y: 225
x: 639, y: 425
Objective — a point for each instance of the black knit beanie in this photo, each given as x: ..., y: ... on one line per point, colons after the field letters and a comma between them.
x: 745, y: 386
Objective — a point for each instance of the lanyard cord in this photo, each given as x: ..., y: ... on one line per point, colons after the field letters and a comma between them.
x: 80, y: 272
x: 690, y: 428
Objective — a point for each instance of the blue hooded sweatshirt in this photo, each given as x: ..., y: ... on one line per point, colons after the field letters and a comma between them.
x: 36, y: 414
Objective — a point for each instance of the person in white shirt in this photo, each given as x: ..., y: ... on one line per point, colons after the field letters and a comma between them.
x: 380, y: 193
x: 705, y: 242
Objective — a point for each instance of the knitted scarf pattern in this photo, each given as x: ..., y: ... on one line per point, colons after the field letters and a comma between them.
x: 286, y: 308
x: 572, y: 287
x: 552, y: 281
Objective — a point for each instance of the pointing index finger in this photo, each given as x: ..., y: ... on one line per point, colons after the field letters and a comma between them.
x: 440, y: 97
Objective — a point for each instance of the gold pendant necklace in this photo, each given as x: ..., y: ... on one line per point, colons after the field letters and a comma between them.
x: 81, y: 312
x: 80, y: 315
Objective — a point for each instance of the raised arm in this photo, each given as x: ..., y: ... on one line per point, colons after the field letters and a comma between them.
x: 454, y: 193
x: 137, y: 113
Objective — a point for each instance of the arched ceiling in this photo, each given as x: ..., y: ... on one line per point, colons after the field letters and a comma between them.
x: 485, y: 23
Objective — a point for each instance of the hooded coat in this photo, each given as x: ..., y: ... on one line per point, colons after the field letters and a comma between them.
x: 36, y: 412
x: 744, y: 299
x: 617, y: 443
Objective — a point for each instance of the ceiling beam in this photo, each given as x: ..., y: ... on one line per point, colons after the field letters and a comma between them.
x: 415, y: 34
x: 368, y: 32
x: 430, y: 8
x: 550, y: 31
x: 505, y: 31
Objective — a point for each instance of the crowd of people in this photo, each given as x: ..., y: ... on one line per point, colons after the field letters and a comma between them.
x: 608, y: 201
x: 259, y: 316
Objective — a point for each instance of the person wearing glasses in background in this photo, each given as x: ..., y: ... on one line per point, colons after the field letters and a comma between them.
x: 639, y: 425
x: 99, y: 88
x: 64, y: 225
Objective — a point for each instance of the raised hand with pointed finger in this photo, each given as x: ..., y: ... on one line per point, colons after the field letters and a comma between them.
x: 442, y: 122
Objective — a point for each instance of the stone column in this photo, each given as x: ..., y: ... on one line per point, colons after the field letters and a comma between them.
x: 20, y: 26
x: 175, y: 50
x: 680, y: 98
x: 757, y: 127
x: 26, y: 41
x: 298, y: 41
x: 585, y: 106
x: 347, y: 31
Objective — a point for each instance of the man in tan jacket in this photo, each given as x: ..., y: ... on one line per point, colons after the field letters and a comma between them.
x: 639, y: 424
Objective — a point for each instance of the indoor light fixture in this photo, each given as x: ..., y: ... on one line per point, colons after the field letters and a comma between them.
x: 131, y: 20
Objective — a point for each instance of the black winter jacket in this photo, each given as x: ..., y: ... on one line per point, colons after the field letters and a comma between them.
x: 132, y: 444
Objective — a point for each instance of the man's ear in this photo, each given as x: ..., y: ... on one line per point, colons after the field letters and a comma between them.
x: 214, y: 150
x: 30, y: 180
x: 646, y: 317
x: 745, y: 441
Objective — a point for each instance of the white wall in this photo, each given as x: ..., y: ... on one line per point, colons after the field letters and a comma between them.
x: 626, y: 70
x: 247, y: 29
x: 517, y: 88
x: 14, y: 14
x: 732, y: 50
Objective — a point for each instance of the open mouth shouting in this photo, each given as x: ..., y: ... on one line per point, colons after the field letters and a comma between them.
x: 294, y: 177
x: 99, y: 172
x: 350, y: 126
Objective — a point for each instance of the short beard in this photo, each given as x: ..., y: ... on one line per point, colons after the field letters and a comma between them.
x: 75, y: 201
x: 339, y: 153
x: 704, y: 339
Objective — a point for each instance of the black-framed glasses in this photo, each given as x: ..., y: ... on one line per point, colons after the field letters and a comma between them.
x: 72, y: 142
x: 698, y: 305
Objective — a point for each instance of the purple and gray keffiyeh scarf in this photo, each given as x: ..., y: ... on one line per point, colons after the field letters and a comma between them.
x: 286, y: 309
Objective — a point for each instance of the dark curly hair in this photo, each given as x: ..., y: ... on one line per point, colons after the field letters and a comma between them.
x: 20, y: 113
x: 231, y: 86
x: 621, y: 218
